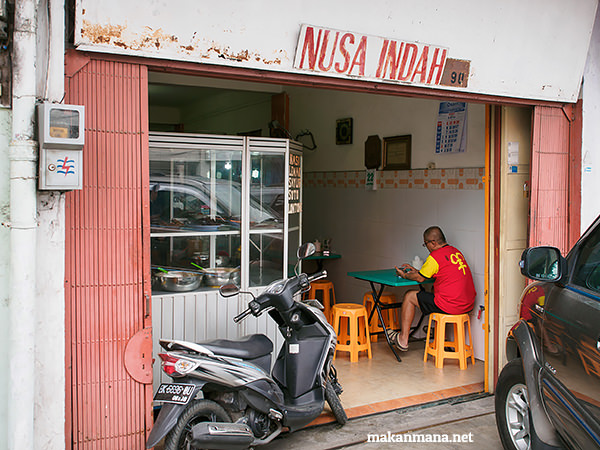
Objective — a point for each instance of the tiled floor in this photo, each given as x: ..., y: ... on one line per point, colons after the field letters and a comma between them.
x: 382, y: 384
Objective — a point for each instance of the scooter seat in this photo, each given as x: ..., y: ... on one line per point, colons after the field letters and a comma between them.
x: 247, y: 347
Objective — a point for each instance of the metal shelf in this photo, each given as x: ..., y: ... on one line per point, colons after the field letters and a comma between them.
x: 195, y: 233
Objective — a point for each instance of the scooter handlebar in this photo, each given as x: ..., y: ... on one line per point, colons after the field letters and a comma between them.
x: 255, y: 307
x: 241, y: 316
x: 317, y: 275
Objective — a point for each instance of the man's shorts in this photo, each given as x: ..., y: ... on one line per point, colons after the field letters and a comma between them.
x: 427, y: 304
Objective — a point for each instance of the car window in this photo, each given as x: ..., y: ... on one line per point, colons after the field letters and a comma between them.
x: 586, y: 272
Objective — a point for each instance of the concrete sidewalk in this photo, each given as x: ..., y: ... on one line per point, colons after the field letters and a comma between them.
x: 459, y: 416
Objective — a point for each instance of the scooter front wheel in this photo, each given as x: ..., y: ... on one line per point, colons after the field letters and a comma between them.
x: 180, y: 437
x: 335, y: 404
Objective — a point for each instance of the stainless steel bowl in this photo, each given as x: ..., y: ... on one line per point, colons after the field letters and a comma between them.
x: 179, y: 281
x: 218, y: 276
x: 203, y: 259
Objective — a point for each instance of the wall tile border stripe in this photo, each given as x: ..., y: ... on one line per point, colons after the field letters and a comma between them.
x: 460, y: 178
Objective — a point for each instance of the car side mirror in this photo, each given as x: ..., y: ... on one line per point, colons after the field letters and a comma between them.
x: 543, y: 264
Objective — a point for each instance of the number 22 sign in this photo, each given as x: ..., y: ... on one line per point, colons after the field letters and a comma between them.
x: 371, y: 179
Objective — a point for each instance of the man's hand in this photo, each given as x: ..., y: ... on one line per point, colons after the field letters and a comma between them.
x: 409, y: 272
x: 404, y: 270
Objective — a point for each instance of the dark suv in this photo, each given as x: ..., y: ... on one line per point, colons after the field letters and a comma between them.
x: 548, y: 395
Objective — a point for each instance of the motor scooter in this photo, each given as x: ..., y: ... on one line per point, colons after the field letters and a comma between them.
x: 225, y: 394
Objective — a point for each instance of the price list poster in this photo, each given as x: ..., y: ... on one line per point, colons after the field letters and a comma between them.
x: 451, y: 135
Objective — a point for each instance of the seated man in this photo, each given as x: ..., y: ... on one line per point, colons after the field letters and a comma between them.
x: 453, y: 288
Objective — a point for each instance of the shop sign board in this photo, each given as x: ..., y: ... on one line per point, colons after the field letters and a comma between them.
x: 351, y: 54
x: 295, y: 184
x: 514, y: 49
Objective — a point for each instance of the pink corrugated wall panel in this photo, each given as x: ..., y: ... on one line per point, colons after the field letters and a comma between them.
x: 107, y: 258
x: 549, y: 221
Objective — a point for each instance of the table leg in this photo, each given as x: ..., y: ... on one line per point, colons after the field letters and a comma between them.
x: 376, y: 296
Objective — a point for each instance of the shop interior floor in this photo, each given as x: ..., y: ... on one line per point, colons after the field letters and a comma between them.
x: 382, y: 383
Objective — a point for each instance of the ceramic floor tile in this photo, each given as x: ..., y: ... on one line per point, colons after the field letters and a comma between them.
x: 381, y: 380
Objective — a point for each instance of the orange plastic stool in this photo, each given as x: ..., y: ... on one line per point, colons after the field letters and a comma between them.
x: 353, y: 334
x: 437, y: 347
x: 327, y: 297
x: 390, y: 317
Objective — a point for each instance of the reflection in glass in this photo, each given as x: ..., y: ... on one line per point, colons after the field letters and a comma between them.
x: 201, y: 204
x: 294, y: 243
x: 267, y: 200
x: 195, y: 252
x: 195, y: 208
x: 266, y: 258
x: 267, y: 190
x: 64, y: 123
x: 587, y: 269
x: 195, y: 189
x: 593, y: 280
x: 543, y: 263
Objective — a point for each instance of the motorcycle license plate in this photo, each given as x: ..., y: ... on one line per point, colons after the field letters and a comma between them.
x: 174, y: 393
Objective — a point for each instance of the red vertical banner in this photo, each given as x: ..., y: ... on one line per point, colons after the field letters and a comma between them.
x: 107, y: 258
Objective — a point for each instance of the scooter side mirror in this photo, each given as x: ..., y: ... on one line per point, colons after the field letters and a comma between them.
x: 229, y: 290
x: 306, y: 250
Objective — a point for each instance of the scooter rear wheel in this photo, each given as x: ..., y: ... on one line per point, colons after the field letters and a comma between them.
x: 335, y: 404
x: 179, y: 438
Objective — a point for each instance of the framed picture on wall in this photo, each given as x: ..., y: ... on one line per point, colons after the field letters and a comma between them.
x: 396, y: 152
x: 343, y: 131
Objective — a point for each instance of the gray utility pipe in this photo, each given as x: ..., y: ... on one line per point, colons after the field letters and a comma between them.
x: 23, y: 224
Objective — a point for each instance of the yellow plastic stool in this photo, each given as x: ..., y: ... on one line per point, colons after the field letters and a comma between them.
x: 437, y: 347
x: 325, y: 287
x: 389, y: 316
x: 353, y: 336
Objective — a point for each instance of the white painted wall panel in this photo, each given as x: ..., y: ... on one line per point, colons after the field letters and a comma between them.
x: 5, y: 135
x: 590, y: 151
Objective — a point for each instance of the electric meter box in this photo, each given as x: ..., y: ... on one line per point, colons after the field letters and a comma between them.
x: 61, y: 136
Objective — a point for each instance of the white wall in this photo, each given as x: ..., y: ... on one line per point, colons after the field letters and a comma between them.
x: 5, y: 132
x: 50, y: 321
x: 385, y: 116
x: 590, y: 151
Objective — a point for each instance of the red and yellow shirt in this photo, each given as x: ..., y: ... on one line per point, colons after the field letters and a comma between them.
x: 453, y: 288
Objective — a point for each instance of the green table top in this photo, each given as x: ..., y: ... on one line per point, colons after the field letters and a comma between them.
x: 322, y: 256
x: 387, y: 277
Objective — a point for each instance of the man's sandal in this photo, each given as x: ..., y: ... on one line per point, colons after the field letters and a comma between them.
x: 394, y: 338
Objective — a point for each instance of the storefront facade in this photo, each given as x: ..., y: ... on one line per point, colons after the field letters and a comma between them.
x: 519, y: 98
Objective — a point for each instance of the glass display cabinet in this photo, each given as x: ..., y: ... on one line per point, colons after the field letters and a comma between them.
x: 223, y: 208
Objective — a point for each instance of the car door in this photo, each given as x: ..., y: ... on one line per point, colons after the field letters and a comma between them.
x: 570, y: 379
